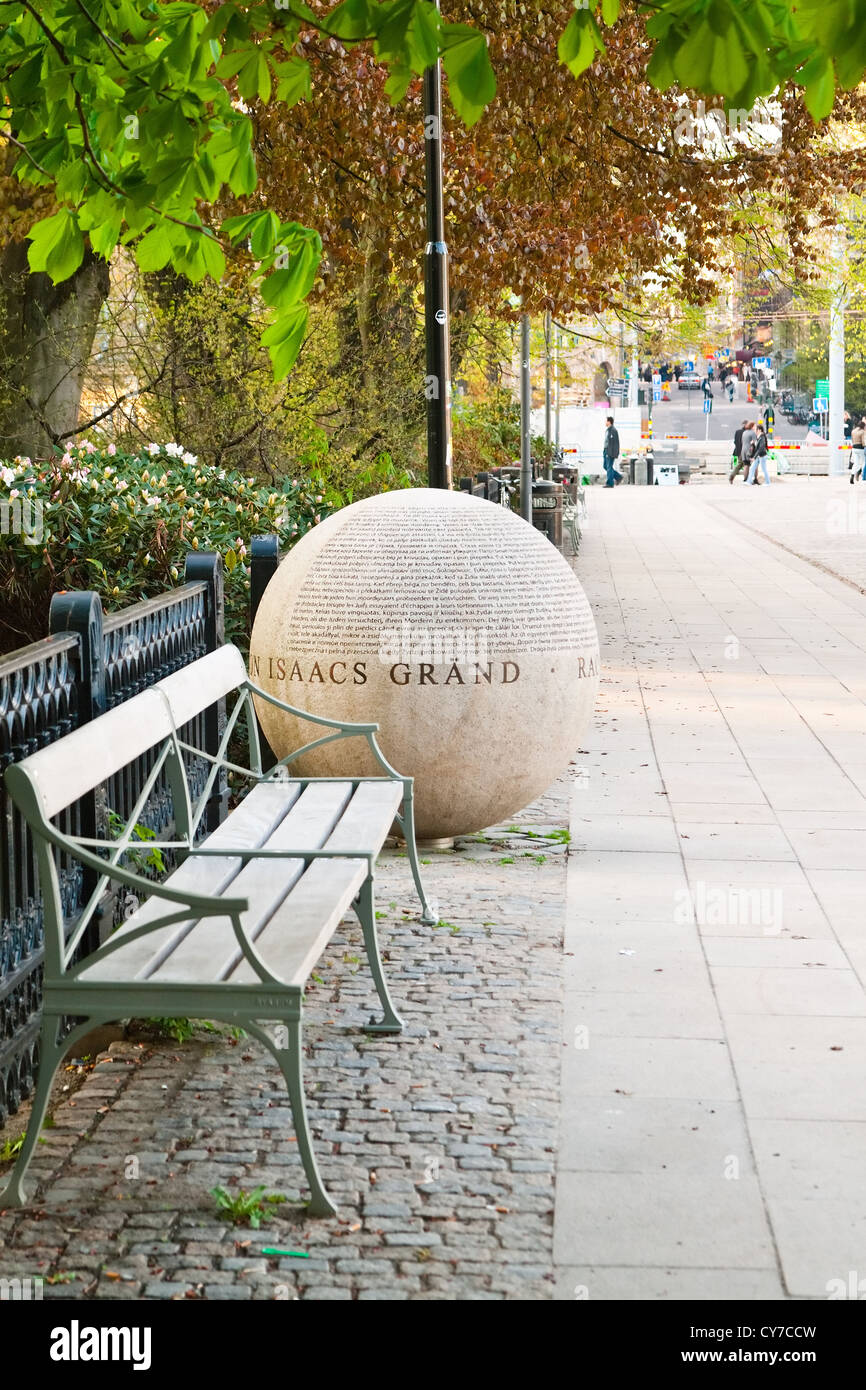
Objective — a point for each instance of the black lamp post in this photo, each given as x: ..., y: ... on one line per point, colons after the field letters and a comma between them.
x: 437, y: 384
x: 525, y: 431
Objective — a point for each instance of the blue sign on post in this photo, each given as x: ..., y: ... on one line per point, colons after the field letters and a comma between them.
x: 708, y: 405
x: 657, y: 393
x: 821, y: 406
x: 690, y: 366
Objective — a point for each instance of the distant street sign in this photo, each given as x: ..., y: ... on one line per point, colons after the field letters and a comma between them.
x: 724, y: 353
x: 822, y: 388
x: 762, y: 362
x: 690, y: 366
x: 708, y: 405
x: 821, y: 405
x: 657, y: 393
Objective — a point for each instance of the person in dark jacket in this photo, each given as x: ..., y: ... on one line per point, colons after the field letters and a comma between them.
x: 760, y: 455
x: 611, y: 454
x: 737, y: 452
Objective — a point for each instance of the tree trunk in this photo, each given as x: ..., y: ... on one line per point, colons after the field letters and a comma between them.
x: 46, y: 337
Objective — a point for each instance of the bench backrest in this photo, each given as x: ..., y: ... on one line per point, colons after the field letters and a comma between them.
x: 75, y: 764
x: 198, y: 686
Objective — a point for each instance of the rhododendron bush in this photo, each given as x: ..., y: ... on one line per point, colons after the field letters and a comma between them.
x: 93, y: 517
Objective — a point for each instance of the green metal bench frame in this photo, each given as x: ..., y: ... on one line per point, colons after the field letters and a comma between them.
x: 572, y: 525
x: 241, y: 1003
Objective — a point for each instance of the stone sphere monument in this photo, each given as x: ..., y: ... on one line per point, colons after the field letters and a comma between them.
x: 454, y: 625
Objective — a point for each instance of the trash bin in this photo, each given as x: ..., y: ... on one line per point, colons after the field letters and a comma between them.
x: 547, y: 510
x: 643, y: 469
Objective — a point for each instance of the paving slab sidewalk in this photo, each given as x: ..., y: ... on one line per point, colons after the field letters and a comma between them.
x: 713, y: 1134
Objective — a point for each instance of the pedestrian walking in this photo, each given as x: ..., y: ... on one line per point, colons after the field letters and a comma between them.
x: 611, y: 454
x: 730, y: 387
x: 748, y: 445
x: 760, y: 454
x: 737, y: 454
x: 858, y: 451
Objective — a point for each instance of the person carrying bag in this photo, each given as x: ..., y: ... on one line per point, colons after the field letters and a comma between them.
x: 760, y: 455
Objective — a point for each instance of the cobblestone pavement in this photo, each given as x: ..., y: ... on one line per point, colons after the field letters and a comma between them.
x: 438, y: 1146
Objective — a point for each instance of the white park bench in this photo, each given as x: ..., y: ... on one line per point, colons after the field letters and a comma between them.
x: 234, y: 932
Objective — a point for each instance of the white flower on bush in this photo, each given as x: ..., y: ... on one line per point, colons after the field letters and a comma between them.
x: 7, y: 475
x: 66, y: 460
x: 152, y: 449
x: 122, y: 485
x: 239, y: 547
x: 174, y: 450
x: 111, y: 450
x: 190, y: 459
x: 90, y: 448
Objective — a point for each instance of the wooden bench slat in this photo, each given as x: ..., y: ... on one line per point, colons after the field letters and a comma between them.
x: 211, y: 951
x: 194, y: 688
x: 368, y: 820
x: 249, y: 826
x: 77, y: 763
x: 303, y: 924
x: 297, y: 933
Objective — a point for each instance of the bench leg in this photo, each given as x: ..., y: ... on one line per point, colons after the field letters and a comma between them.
x: 365, y: 907
x: 407, y: 825
x: 51, y: 1054
x: 289, y: 1060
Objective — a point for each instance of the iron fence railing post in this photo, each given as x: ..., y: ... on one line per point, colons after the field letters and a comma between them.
x: 264, y: 563
x: 80, y: 611
x: 207, y: 567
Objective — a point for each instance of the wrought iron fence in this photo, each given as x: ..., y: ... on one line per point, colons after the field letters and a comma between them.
x: 88, y: 664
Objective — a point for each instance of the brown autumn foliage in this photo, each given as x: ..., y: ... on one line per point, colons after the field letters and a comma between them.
x: 564, y: 188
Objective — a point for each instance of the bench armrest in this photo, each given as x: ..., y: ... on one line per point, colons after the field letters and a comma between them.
x: 343, y: 725
x: 344, y: 729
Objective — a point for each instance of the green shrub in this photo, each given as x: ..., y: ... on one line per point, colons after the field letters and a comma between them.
x: 123, y: 523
